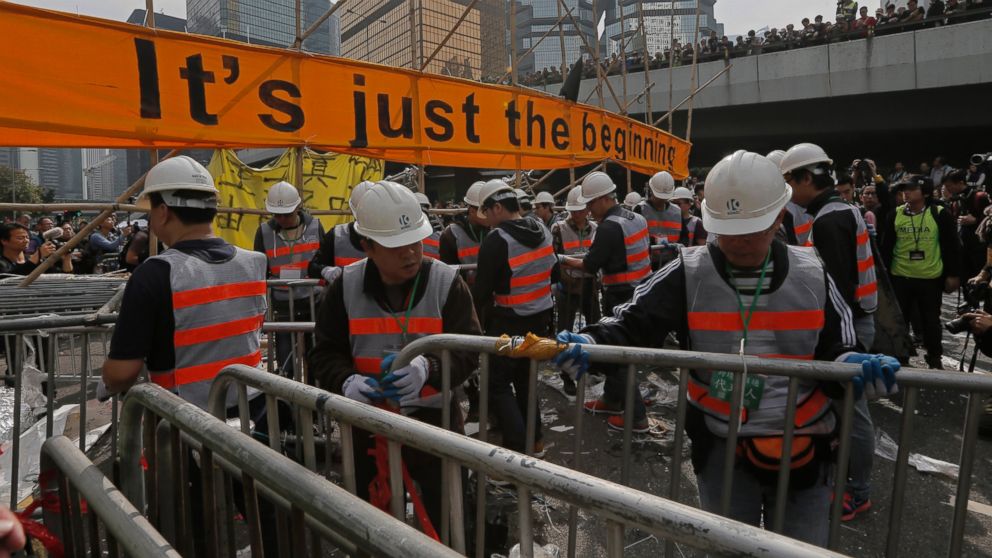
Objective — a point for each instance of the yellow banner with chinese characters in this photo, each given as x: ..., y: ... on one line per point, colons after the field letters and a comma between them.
x: 327, y: 183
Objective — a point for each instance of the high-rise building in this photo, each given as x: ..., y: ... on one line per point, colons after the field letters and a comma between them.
x: 162, y: 21
x: 380, y: 31
x: 662, y: 20
x: 105, y: 172
x: 264, y: 22
x: 535, y: 18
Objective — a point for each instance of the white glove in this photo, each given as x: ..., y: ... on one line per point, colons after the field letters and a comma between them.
x: 330, y: 273
x: 361, y: 388
x: 409, y: 380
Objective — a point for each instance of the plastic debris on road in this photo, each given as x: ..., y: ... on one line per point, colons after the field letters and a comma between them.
x: 887, y: 448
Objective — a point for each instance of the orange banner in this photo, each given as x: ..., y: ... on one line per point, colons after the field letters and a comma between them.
x: 73, y: 81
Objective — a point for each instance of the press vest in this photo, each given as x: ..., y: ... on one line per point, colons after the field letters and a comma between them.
x: 530, y: 275
x: 373, y: 331
x: 635, y: 237
x: 665, y: 224
x: 432, y: 246
x: 907, y: 228
x: 345, y: 252
x: 218, y: 309
x: 785, y: 324
x: 291, y: 255
x: 866, y: 293
x: 802, y: 223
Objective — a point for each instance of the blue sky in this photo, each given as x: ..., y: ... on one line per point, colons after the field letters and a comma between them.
x: 737, y: 15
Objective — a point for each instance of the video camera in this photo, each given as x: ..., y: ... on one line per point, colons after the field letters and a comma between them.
x: 866, y: 177
x: 975, y: 296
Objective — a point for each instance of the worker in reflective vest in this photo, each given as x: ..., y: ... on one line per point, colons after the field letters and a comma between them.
x: 797, y: 224
x: 289, y: 241
x: 693, y: 232
x: 374, y: 309
x: 432, y: 244
x: 620, y: 253
x: 750, y: 294
x: 841, y: 239
x: 460, y: 241
x: 664, y: 218
x: 512, y: 293
x: 342, y: 245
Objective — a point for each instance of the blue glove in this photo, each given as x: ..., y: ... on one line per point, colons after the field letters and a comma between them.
x: 575, y: 360
x: 387, y: 363
x: 362, y: 388
x: 878, y: 375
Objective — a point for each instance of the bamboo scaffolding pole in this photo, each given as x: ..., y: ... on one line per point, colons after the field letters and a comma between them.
x: 623, y: 71
x: 595, y: 58
x: 638, y: 97
x: 691, y: 95
x: 115, y: 207
x: 300, y: 151
x: 316, y: 25
x: 514, y: 79
x: 671, y: 59
x: 538, y: 43
x: 695, y: 72
x: 648, y: 84
x: 414, y: 64
x: 594, y: 52
x: 447, y: 37
x: 573, y: 181
x: 85, y: 231
x: 563, y: 67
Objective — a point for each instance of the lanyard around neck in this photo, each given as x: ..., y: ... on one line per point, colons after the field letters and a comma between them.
x: 405, y: 324
x: 746, y: 316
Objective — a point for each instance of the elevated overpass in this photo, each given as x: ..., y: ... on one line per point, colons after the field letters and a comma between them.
x: 907, y: 96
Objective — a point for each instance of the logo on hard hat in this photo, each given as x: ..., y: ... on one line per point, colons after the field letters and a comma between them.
x: 404, y: 220
x: 733, y: 206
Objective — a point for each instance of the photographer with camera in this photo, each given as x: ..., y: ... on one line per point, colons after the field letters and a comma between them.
x: 979, y: 322
x: 968, y: 206
x: 920, y: 247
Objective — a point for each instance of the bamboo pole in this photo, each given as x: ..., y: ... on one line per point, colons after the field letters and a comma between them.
x: 316, y: 25
x: 648, y: 84
x: 695, y: 72
x: 601, y: 74
x: 573, y: 181
x: 671, y: 58
x: 447, y: 37
x: 115, y: 207
x: 85, y: 231
x: 691, y: 95
x: 594, y: 52
x: 623, y: 71
x: 300, y: 151
x: 414, y: 64
x: 538, y: 43
x: 563, y: 67
x: 514, y: 79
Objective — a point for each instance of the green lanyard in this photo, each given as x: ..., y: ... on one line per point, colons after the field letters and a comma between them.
x: 746, y: 317
x: 405, y: 324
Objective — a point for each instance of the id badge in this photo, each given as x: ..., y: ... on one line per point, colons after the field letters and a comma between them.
x: 917, y: 255
x: 290, y: 273
x: 722, y: 388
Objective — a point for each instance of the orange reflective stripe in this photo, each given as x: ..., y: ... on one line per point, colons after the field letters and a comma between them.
x: 385, y: 326
x: 201, y: 372
x: 432, y: 242
x: 673, y: 238
x: 530, y: 256
x: 701, y: 395
x: 637, y: 256
x: 368, y: 365
x: 510, y: 300
x: 195, y: 297
x: 205, y: 334
x: 571, y: 245
x: 432, y: 256
x: 803, y: 229
x: 295, y: 249
x: 807, y: 411
x: 809, y: 244
x: 866, y: 264
x: 863, y: 238
x: 295, y: 265
x: 636, y: 237
x: 341, y: 261
x: 769, y: 321
x: 468, y: 252
x: 628, y: 277
x: 866, y: 290
x: 530, y: 279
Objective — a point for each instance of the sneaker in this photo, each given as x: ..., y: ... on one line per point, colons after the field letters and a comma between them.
x: 640, y: 426
x: 602, y: 407
x: 568, y: 385
x: 853, y: 507
x: 539, y: 451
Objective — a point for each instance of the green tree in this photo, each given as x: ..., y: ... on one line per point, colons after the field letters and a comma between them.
x: 16, y: 186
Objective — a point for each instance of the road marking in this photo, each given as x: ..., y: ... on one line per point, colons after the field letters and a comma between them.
x: 976, y: 507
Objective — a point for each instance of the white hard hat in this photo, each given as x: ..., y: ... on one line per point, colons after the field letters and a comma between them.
x: 744, y: 195
x: 596, y: 185
x: 497, y: 190
x: 282, y: 198
x: 632, y: 199
x: 803, y: 155
x: 389, y: 214
x: 662, y: 185
x: 544, y: 197
x: 682, y: 193
x: 357, y: 193
x: 776, y: 156
x: 422, y: 198
x: 180, y: 173
x: 522, y: 196
x: 572, y: 203
x: 472, y: 195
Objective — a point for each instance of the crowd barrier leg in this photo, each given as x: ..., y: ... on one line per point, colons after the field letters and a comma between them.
x: 480, y: 481
x: 843, y: 456
x: 396, y: 488
x: 901, y: 469
x: 573, y: 511
x: 348, y: 458
x: 965, y: 466
x: 614, y: 539
x: 15, y: 463
x: 628, y: 423
x: 675, y: 480
x: 733, y: 427
x: 84, y: 372
x: 446, y: 479
x: 785, y: 464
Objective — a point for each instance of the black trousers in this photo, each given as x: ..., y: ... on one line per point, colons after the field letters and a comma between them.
x: 615, y: 389
x: 582, y: 300
x: 922, y: 297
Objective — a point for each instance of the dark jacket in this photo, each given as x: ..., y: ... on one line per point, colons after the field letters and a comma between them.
x: 325, y: 254
x: 835, y: 238
x: 608, y: 252
x: 449, y: 247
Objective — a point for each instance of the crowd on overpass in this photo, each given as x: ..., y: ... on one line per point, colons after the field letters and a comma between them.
x: 851, y: 23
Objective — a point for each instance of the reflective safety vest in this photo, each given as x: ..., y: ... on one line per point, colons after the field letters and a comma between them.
x: 345, y: 252
x: 372, y: 331
x: 866, y: 293
x: 218, y: 309
x: 572, y: 241
x: 802, y: 223
x: 530, y: 275
x: 635, y: 238
x: 468, y: 248
x: 688, y: 237
x: 665, y: 224
x: 294, y: 255
x: 432, y: 246
x: 785, y: 324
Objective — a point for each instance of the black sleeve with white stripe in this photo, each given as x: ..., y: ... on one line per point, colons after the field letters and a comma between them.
x: 837, y: 336
x: 657, y: 308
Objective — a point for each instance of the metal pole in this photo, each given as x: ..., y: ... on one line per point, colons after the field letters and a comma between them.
x: 468, y: 10
x: 648, y: 115
x: 695, y: 71
x: 691, y: 95
x: 671, y: 59
x: 310, y: 30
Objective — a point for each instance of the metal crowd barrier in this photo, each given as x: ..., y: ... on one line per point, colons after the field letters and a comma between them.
x: 226, y: 457
x: 83, y: 509
x: 617, y: 504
